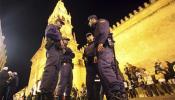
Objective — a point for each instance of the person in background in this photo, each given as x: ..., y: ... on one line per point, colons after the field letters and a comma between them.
x: 160, y: 76
x: 4, y: 76
x: 65, y: 73
x: 150, y: 85
x: 90, y: 60
x: 171, y: 71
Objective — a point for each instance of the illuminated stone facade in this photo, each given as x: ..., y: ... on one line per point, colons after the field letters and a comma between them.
x: 147, y: 35
x: 39, y: 59
x: 3, y: 56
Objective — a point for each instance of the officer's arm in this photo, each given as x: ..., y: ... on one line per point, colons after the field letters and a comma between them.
x: 84, y: 56
x: 95, y: 56
x: 52, y: 32
x: 70, y: 53
x: 103, y: 28
x: 51, y: 36
x: 59, y: 35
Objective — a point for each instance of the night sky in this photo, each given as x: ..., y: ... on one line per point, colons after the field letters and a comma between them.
x: 24, y: 22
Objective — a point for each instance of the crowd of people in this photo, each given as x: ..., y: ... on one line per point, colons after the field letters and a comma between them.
x: 140, y: 83
x: 76, y: 94
x: 9, y: 82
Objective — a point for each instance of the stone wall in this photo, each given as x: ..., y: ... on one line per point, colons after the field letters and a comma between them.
x: 147, y: 36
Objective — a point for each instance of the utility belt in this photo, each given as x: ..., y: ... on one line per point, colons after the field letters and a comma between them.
x: 109, y: 43
x: 69, y: 62
x: 66, y: 61
x: 50, y: 43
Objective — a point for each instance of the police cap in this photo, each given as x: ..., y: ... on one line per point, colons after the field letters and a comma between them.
x: 88, y: 34
x: 65, y: 38
x: 92, y: 16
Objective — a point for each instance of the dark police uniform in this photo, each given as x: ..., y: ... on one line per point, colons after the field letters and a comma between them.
x: 91, y: 70
x: 53, y: 53
x: 113, y: 87
x: 65, y: 75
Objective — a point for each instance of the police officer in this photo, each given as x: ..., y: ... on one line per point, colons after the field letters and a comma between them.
x: 54, y: 47
x: 113, y: 87
x: 65, y: 73
x: 89, y: 57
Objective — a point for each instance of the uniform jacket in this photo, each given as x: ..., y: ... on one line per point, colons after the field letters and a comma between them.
x: 53, y: 33
x: 101, y: 31
x: 68, y: 55
x: 89, y: 53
